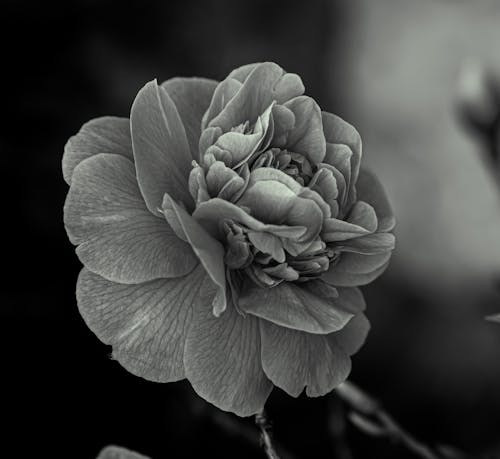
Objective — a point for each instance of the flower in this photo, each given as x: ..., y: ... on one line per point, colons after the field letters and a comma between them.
x: 224, y: 230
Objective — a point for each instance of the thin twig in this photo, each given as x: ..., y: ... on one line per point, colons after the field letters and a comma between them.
x: 265, y: 435
x: 368, y: 416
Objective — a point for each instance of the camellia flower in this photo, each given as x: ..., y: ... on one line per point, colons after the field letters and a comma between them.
x: 224, y: 230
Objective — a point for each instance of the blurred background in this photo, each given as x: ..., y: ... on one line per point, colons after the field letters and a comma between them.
x: 389, y: 67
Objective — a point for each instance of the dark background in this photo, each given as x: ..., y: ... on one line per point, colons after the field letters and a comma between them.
x: 390, y: 70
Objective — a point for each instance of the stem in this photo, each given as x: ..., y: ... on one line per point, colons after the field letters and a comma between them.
x: 265, y: 435
x: 368, y: 416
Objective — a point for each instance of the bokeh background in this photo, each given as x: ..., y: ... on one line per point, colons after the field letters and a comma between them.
x: 391, y: 68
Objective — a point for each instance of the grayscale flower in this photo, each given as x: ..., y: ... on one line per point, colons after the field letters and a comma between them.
x: 224, y: 231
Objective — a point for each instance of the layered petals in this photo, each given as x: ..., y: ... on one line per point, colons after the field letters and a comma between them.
x: 108, y: 134
x: 222, y: 358
x: 313, y: 307
x: 191, y: 97
x: 370, y: 190
x: 147, y: 324
x: 209, y: 251
x: 294, y: 360
x: 117, y: 237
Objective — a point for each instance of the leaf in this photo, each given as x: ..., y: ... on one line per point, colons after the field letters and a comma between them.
x: 117, y: 237
x: 118, y: 452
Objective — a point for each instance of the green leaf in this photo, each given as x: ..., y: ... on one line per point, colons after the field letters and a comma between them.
x: 223, y: 361
x: 209, y: 251
x: 147, y: 324
x: 294, y: 359
x: 108, y: 134
x: 117, y: 237
x: 161, y: 150
x: 191, y: 97
x: 297, y: 306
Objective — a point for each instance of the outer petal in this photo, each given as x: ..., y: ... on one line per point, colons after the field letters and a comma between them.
x: 296, y: 306
x: 118, y: 237
x: 191, y: 97
x: 294, y: 359
x: 352, y: 336
x: 307, y: 135
x: 209, y: 251
x: 370, y: 190
x: 254, y: 96
x: 289, y: 86
x: 147, y: 324
x: 108, y: 134
x: 338, y: 131
x: 357, y: 269
x: 161, y: 150
x: 223, y: 362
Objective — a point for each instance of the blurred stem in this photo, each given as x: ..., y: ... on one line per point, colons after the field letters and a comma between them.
x: 265, y: 435
x: 368, y: 416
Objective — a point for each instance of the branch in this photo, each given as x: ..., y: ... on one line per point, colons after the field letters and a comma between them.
x: 368, y: 416
x: 265, y: 435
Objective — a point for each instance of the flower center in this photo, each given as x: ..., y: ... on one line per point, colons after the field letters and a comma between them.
x: 293, y: 164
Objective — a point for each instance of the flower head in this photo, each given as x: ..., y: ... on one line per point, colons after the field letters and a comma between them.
x: 224, y: 231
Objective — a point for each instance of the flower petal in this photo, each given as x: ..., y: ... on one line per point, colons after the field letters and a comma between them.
x: 307, y: 135
x: 251, y: 100
x: 352, y: 336
x: 161, y: 150
x: 371, y: 191
x: 363, y: 214
x: 370, y: 244
x: 214, y: 211
x: 191, y: 97
x: 289, y: 86
x: 338, y: 131
x: 294, y: 359
x: 357, y: 269
x: 276, y: 198
x: 223, y: 362
x: 108, y: 134
x: 147, y: 324
x: 223, y: 93
x: 118, y: 237
x: 301, y: 307
x: 209, y: 251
